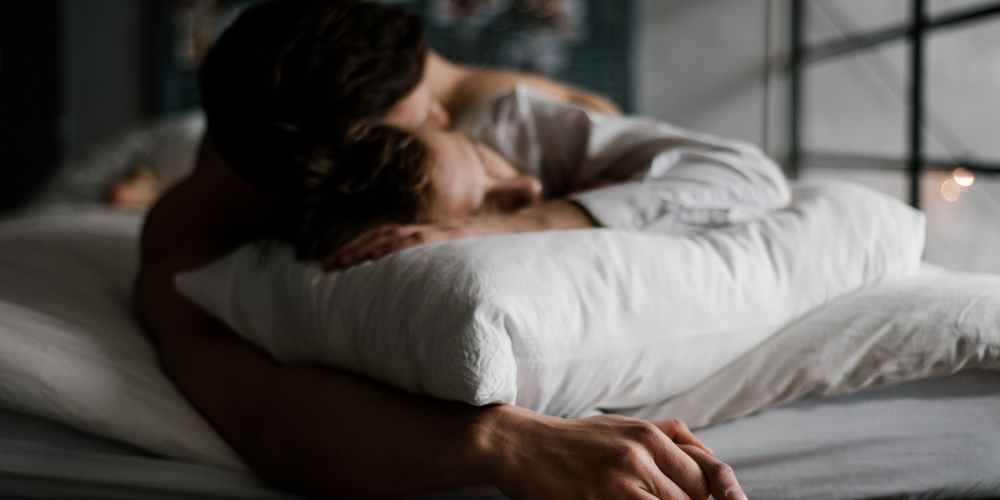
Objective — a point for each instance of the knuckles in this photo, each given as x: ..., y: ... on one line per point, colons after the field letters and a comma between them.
x: 646, y: 433
x: 720, y: 470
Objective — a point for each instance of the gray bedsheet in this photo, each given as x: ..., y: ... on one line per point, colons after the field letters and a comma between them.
x: 935, y: 438
x: 930, y: 439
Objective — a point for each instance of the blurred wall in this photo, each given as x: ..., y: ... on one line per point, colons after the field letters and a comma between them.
x: 106, y: 57
x: 703, y: 64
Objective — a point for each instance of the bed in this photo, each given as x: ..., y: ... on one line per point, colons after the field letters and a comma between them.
x: 87, y: 414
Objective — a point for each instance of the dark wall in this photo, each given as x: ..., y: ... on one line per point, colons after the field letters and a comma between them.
x: 31, y: 122
x: 106, y: 61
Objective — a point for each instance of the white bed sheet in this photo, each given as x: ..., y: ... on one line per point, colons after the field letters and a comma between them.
x: 71, y: 348
x: 929, y: 439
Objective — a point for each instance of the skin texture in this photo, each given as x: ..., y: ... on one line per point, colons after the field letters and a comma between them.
x: 331, y: 433
x: 136, y: 191
x: 470, y: 178
x: 476, y: 193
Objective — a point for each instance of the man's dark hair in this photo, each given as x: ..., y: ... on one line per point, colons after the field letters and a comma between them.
x: 381, y: 176
x: 292, y: 74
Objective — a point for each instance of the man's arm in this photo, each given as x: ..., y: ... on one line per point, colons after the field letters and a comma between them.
x: 692, y: 188
x: 391, y: 238
x: 458, y: 88
x: 327, y: 432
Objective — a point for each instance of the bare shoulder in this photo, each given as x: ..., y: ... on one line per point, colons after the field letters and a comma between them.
x: 446, y: 82
x: 201, y: 218
x: 207, y: 213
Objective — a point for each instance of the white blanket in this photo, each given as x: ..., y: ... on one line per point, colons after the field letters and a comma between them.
x: 932, y: 324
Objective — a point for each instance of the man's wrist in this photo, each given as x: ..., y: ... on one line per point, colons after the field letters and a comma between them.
x: 496, y: 430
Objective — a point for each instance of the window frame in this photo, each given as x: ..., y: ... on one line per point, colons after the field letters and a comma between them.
x: 915, y: 30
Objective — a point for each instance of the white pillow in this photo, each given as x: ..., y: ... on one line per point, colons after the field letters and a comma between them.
x: 932, y: 324
x: 564, y: 322
x: 71, y: 349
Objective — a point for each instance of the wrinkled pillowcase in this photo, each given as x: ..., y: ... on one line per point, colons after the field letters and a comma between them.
x: 931, y: 324
x: 563, y: 322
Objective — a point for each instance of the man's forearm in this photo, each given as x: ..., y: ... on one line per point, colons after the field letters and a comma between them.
x: 307, y: 428
x: 330, y: 433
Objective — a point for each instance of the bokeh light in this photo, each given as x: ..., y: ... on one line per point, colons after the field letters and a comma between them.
x: 963, y: 177
x: 951, y: 190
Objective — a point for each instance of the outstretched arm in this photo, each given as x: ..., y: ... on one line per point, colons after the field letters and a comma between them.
x: 332, y: 433
x: 391, y: 238
x: 690, y: 188
x: 459, y: 89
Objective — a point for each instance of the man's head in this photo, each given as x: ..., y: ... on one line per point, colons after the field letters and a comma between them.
x: 470, y: 178
x: 391, y: 176
x: 292, y: 74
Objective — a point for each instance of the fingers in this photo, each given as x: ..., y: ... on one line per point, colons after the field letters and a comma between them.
x: 384, y: 243
x: 374, y: 245
x: 674, y: 474
x: 664, y: 488
x: 679, y: 433
x: 722, y: 481
x: 682, y: 470
x: 341, y: 257
x: 666, y: 491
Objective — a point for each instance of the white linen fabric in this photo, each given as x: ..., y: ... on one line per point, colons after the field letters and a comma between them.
x: 932, y: 324
x: 167, y: 147
x: 928, y: 439
x: 669, y: 179
x: 564, y: 322
x: 71, y: 349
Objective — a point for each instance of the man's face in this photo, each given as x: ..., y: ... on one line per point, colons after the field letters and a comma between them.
x: 419, y: 109
x: 469, y: 178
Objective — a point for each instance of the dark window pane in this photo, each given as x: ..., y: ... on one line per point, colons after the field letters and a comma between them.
x: 832, y: 20
x: 855, y: 104
x: 963, y: 92
x: 937, y: 8
x: 962, y: 232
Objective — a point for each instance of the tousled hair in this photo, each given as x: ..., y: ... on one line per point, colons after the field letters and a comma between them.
x: 381, y: 175
x: 291, y: 77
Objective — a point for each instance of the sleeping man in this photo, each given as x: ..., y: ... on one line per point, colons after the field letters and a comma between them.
x: 571, y: 166
x: 289, y: 75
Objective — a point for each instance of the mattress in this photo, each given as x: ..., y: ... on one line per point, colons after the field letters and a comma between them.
x: 929, y: 439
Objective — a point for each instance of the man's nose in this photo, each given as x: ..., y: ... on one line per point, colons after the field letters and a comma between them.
x: 509, y: 195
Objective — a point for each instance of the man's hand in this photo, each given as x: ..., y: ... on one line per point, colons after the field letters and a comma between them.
x: 392, y: 238
x: 388, y: 239
x: 607, y: 457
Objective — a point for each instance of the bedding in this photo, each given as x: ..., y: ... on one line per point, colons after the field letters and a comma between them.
x: 71, y: 349
x: 931, y: 439
x: 565, y: 322
x: 932, y: 324
x: 669, y: 179
x: 167, y: 147
x: 928, y: 439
